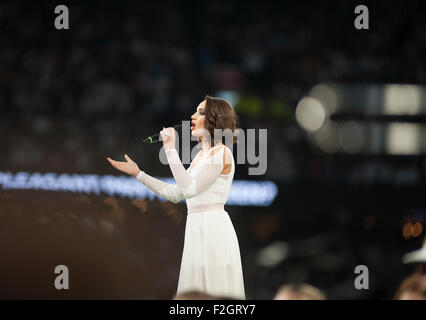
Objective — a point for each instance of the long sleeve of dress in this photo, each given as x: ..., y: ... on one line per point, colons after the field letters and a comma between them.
x: 168, y: 191
x: 193, y: 184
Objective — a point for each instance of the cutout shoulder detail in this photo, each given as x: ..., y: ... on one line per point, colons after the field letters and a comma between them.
x: 228, y: 162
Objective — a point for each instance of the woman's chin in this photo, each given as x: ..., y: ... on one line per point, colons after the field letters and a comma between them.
x: 195, y: 133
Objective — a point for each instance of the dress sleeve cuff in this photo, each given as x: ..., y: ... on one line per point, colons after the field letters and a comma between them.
x: 139, y: 176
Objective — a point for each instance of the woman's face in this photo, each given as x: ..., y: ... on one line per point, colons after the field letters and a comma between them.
x: 197, y: 120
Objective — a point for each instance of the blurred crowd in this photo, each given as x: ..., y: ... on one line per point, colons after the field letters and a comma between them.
x: 118, y: 249
x: 121, y: 73
x: 160, y: 57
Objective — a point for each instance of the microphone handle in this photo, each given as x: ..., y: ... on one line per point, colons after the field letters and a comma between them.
x: 152, y: 139
x: 156, y: 137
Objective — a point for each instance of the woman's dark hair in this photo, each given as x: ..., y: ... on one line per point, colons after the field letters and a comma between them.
x: 219, y: 114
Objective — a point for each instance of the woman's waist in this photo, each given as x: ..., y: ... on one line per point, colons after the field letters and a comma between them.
x: 207, y: 197
x: 206, y: 207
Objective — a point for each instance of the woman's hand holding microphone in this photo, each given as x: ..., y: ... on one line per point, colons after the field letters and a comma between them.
x: 168, y: 135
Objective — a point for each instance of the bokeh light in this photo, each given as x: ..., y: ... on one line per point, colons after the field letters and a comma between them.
x: 310, y: 114
x: 327, y: 95
x: 417, y: 229
x: 407, y: 230
x: 353, y: 137
x: 403, y: 138
x: 402, y: 99
x: 328, y: 137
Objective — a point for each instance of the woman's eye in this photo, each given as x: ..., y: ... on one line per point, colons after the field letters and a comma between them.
x: 201, y: 112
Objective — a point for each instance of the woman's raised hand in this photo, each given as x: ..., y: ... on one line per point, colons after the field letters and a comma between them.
x: 168, y: 136
x: 129, y: 166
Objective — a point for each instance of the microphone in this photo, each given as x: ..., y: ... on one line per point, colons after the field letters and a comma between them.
x: 156, y: 137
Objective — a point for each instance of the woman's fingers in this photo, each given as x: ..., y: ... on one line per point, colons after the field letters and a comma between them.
x: 111, y: 161
x: 167, y: 135
x: 163, y: 134
x: 127, y: 166
x: 115, y: 164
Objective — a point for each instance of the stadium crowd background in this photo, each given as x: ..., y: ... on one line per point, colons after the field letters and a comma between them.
x: 70, y: 98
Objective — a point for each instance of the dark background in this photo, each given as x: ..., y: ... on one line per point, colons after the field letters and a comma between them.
x: 70, y: 98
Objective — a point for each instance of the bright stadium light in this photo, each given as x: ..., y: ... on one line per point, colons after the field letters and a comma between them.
x: 402, y: 99
x: 328, y: 97
x: 403, y: 139
x: 310, y: 114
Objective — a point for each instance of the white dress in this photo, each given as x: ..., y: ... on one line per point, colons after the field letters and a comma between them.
x: 211, y: 261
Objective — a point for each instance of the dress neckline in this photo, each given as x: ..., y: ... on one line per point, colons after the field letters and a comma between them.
x: 202, y: 158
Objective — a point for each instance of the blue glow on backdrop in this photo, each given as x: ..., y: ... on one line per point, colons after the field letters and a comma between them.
x: 243, y: 192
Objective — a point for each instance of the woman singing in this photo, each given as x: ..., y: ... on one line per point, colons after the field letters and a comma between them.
x: 211, y: 260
